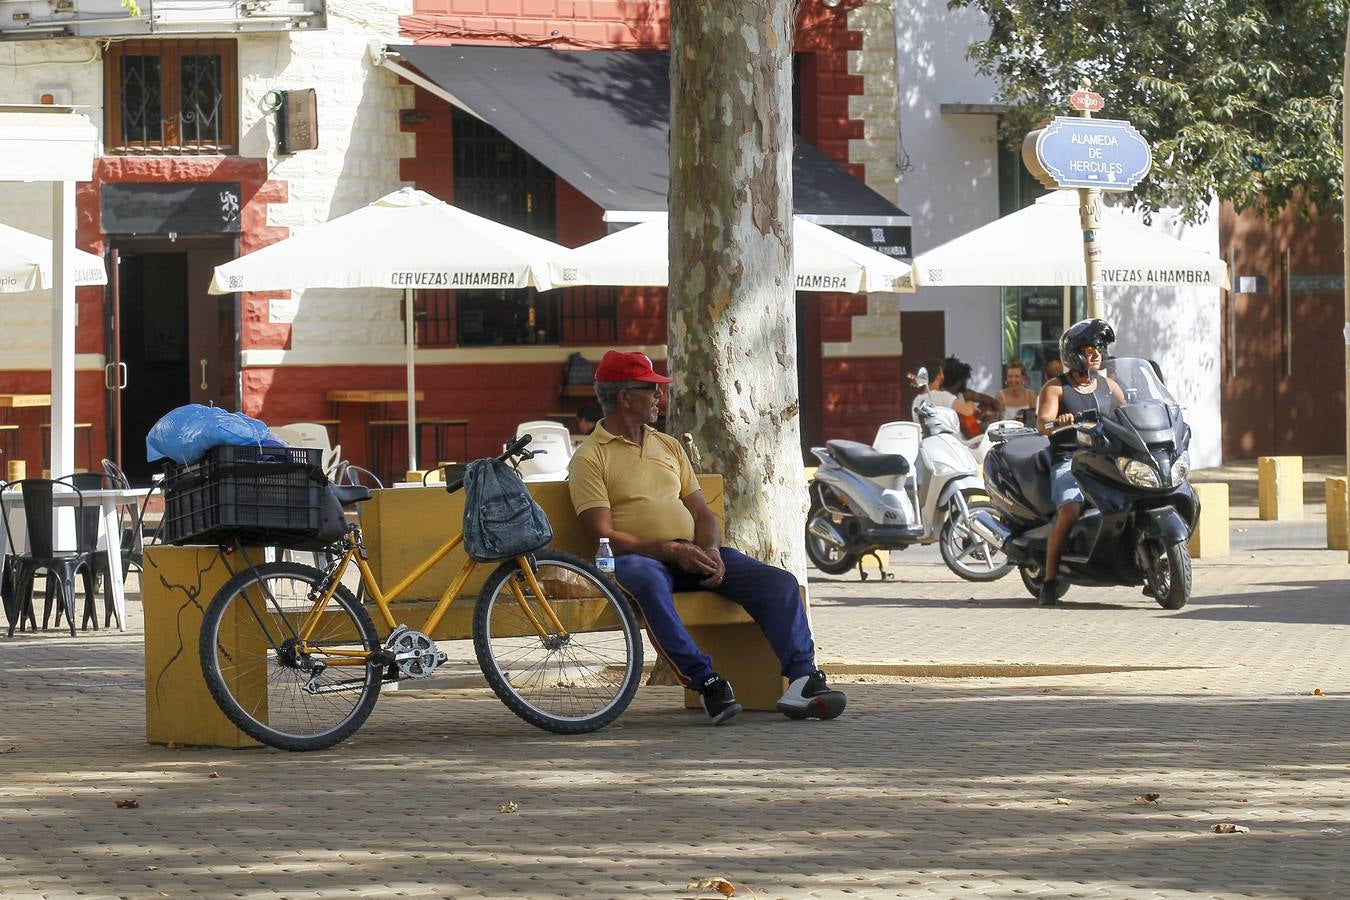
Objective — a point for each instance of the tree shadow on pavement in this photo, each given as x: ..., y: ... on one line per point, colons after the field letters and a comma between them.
x: 920, y: 786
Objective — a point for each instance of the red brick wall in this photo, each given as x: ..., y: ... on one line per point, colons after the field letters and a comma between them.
x: 858, y: 394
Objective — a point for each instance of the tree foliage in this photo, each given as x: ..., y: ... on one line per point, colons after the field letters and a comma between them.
x: 1239, y: 98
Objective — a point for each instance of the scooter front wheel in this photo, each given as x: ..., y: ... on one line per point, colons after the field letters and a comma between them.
x: 825, y: 555
x: 1170, y: 578
x: 966, y: 553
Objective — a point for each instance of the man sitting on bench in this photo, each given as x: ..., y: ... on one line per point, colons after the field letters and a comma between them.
x: 634, y: 485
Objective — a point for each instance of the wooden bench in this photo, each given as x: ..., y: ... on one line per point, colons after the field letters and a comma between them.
x: 402, y: 526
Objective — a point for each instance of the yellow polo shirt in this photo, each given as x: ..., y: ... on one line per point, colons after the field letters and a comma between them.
x: 641, y: 485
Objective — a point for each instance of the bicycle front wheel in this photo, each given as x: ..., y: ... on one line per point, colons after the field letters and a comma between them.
x: 281, y: 691
x: 571, y: 680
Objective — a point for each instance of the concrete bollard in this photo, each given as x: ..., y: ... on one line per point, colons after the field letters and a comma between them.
x: 1280, y: 487
x: 1210, y: 537
x: 1338, y: 514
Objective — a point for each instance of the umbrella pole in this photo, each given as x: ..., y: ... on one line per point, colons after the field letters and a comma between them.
x: 410, y: 335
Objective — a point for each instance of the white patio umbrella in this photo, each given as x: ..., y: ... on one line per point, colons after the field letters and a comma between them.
x: 1043, y: 245
x: 639, y: 256
x: 407, y: 240
x: 26, y: 263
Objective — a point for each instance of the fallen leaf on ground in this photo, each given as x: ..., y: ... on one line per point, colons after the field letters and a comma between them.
x: 714, y: 883
x: 1062, y: 801
x: 212, y: 774
x: 9, y: 750
x: 1047, y: 690
x: 1331, y: 831
x: 151, y: 868
x: 1230, y: 828
x: 1147, y: 798
x: 1317, y: 692
x: 128, y: 804
x: 509, y: 806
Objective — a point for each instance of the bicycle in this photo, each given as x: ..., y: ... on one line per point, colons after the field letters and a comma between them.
x: 557, y: 641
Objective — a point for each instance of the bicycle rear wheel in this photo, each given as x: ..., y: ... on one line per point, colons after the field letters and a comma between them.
x: 284, y: 694
x: 568, y: 682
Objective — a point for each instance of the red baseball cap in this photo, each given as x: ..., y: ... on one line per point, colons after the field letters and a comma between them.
x: 618, y: 366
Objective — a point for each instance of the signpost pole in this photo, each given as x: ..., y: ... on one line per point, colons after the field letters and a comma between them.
x: 1090, y: 214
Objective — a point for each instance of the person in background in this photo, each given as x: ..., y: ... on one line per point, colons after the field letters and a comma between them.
x: 935, y: 392
x: 634, y: 485
x: 587, y: 417
x: 1015, y: 397
x: 956, y: 379
x: 1053, y: 369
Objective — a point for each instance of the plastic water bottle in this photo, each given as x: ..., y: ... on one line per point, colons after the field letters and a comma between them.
x: 604, y: 558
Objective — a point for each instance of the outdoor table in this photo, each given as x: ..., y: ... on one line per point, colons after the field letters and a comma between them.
x: 29, y: 444
x: 353, y: 410
x: 110, y: 534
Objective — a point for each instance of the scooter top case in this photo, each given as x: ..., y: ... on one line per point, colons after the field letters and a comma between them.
x: 1017, y: 474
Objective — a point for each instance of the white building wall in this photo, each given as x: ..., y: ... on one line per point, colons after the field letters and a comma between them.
x: 357, y: 161
x: 951, y: 187
x: 26, y: 68
x: 950, y: 182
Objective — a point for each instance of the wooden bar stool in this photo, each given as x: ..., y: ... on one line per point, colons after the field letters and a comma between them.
x: 81, y: 428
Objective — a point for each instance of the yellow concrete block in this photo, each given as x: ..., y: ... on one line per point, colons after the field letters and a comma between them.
x: 1280, y: 487
x: 1338, y: 514
x: 1210, y: 537
x: 178, y: 584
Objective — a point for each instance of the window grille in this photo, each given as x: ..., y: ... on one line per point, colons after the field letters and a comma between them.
x: 171, y: 97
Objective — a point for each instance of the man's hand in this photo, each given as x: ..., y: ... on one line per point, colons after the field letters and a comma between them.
x: 695, y: 560
x: 714, y: 580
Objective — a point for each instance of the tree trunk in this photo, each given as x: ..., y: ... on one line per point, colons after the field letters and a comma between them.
x: 732, y: 329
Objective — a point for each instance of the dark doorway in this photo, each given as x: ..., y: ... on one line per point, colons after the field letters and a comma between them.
x: 179, y: 343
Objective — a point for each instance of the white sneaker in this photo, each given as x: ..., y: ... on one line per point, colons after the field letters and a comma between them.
x: 810, y: 697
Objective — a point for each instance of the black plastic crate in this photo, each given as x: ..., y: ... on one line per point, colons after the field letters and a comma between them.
x: 255, y: 495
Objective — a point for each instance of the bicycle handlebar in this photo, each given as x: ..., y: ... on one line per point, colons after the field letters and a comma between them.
x: 517, y: 448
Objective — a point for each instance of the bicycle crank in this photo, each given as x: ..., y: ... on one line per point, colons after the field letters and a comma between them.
x: 415, y: 654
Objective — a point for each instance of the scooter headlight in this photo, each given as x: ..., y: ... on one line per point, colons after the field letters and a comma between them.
x: 1137, y: 473
x: 1181, y: 468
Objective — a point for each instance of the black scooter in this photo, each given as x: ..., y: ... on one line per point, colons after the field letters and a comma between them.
x: 1131, y: 464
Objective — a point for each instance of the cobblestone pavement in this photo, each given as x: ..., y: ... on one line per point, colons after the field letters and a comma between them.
x: 945, y: 787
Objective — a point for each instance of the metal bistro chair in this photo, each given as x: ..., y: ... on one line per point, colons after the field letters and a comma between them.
x: 87, y: 522
x: 61, y: 565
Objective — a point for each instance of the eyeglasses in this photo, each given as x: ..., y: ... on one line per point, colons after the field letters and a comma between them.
x: 1100, y: 348
x: 647, y: 387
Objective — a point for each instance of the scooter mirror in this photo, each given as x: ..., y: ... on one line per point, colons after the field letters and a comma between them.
x: 921, y: 377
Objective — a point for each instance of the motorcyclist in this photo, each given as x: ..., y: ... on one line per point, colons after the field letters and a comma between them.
x: 1083, y: 387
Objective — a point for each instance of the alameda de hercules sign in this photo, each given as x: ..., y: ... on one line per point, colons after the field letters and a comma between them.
x: 1071, y: 152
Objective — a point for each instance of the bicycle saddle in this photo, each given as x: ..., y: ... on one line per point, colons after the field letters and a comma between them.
x: 864, y: 460
x: 347, y: 494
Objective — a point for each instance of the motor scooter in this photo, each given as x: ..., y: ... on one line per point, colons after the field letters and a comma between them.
x: 1139, y: 509
x: 864, y: 500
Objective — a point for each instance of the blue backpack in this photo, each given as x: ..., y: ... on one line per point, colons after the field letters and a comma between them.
x: 501, y: 519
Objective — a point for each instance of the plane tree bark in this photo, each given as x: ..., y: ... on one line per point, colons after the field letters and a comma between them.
x: 732, y: 330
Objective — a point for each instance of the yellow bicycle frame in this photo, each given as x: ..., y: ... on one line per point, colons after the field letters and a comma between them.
x: 351, y: 544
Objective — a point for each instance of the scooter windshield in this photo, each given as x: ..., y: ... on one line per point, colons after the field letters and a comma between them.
x: 1138, y: 381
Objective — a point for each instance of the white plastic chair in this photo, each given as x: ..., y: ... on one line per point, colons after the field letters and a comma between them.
x: 309, y: 434
x: 553, y: 444
x: 901, y: 438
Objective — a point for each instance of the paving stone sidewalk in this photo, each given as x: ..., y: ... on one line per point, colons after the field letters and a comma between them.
x: 926, y: 787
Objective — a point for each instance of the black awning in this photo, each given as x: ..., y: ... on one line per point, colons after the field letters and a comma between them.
x: 599, y: 119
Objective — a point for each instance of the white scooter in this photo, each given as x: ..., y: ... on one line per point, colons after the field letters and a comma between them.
x: 928, y: 489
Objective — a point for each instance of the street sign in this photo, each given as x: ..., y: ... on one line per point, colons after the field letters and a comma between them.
x: 1086, y: 101
x: 1071, y: 152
